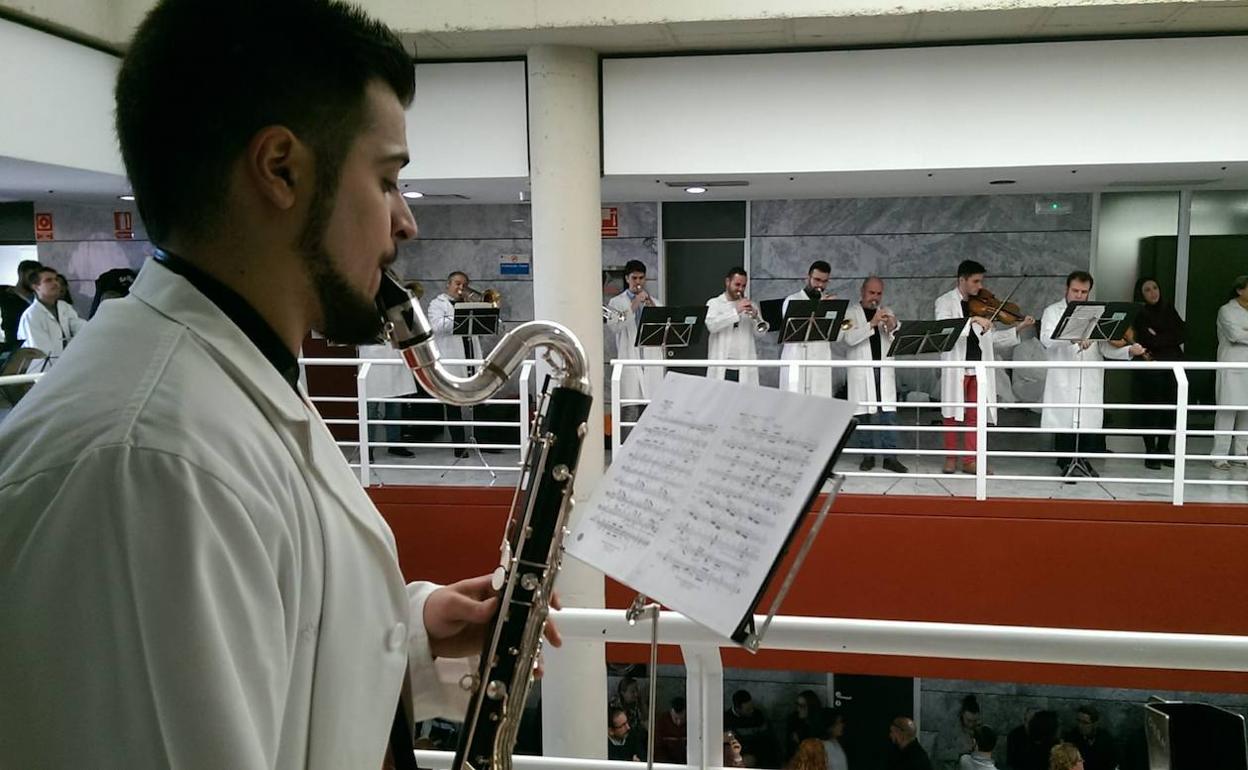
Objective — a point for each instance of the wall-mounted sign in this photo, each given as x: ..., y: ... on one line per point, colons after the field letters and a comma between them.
x: 43, y: 226
x: 123, y: 225
x: 610, y: 222
x: 514, y: 264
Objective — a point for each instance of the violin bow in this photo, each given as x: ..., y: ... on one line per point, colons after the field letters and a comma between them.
x: 1001, y: 304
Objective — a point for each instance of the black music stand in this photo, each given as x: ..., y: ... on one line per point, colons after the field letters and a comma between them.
x: 1095, y: 321
x: 670, y: 327
x: 807, y: 320
x: 474, y: 319
x: 772, y: 311
x: 916, y: 338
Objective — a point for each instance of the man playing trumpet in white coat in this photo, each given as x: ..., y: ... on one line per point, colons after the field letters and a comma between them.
x: 868, y: 338
x: 733, y: 321
x: 813, y: 380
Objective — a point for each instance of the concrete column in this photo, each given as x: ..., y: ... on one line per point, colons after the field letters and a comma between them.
x: 564, y: 174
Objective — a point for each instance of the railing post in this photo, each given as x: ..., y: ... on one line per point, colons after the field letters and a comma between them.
x: 981, y: 431
x: 1180, y: 433
x: 617, y: 430
x: 795, y: 373
x: 526, y: 370
x: 361, y: 389
x: 704, y: 699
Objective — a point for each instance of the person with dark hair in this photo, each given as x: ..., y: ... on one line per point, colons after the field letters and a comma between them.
x: 442, y: 320
x: 959, y: 386
x: 1030, y: 751
x: 635, y: 382
x: 1095, y: 744
x: 233, y: 597
x: 811, y: 380
x: 622, y: 739
x: 1076, y: 386
x: 671, y: 734
x: 909, y: 753
x: 50, y: 322
x: 984, y: 742
x: 1232, y: 385
x: 732, y: 324
x: 749, y: 723
x: 806, y: 721
x: 1160, y: 329
x: 833, y: 735
x: 951, y: 746
x: 13, y: 302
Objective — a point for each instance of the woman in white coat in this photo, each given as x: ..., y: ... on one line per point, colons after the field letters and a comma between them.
x: 50, y: 322
x: 732, y: 329
x: 635, y: 382
x: 812, y: 380
x: 861, y: 382
x: 979, y: 339
x: 1075, y: 386
x: 1232, y: 385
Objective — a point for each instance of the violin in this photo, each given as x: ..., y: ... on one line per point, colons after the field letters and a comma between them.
x: 986, y: 305
x: 1128, y: 339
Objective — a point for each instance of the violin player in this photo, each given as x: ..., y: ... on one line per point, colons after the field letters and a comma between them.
x: 987, y: 330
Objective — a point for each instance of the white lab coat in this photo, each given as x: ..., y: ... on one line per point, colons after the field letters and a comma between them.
x: 860, y: 382
x: 385, y: 380
x: 442, y: 318
x: 193, y: 577
x: 949, y: 305
x: 811, y: 380
x: 1232, y: 386
x: 635, y: 382
x: 1073, y: 386
x: 730, y: 337
x: 41, y: 330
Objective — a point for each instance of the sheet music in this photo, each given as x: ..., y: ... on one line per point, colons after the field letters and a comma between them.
x: 694, y: 511
x: 1082, y: 323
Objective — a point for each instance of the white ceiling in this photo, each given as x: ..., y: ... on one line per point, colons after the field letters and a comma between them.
x: 22, y: 180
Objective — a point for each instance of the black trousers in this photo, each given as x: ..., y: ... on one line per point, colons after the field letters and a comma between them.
x: 1067, y: 444
x: 456, y: 414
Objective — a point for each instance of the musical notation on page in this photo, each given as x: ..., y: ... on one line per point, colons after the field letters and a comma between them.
x: 706, y: 491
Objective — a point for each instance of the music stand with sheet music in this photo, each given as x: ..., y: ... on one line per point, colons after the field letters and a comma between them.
x: 808, y: 320
x: 474, y: 319
x: 670, y: 327
x: 916, y: 338
x: 1094, y: 321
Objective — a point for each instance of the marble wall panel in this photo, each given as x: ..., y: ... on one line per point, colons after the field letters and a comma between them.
x: 472, y: 221
x: 854, y: 216
x: 86, y: 246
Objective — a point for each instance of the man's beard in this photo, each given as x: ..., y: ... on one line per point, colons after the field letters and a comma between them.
x: 347, y: 317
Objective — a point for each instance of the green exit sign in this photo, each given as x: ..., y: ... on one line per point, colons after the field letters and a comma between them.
x: 1053, y: 207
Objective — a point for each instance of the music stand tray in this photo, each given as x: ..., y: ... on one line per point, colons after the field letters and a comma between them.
x: 1095, y: 321
x: 915, y: 338
x: 670, y: 327
x: 474, y: 319
x: 808, y: 320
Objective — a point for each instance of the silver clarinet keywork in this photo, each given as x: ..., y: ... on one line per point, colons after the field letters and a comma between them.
x: 532, y: 545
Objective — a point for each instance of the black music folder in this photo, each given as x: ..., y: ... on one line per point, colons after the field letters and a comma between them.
x: 670, y: 327
x: 915, y: 338
x: 807, y: 320
x: 1095, y: 321
x: 473, y: 319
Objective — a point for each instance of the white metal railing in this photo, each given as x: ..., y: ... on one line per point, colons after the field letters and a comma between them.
x: 964, y: 641
x: 1178, y: 479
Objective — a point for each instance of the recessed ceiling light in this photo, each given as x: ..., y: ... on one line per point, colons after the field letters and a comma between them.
x: 126, y: 197
x: 413, y: 194
x: 695, y: 190
x: 1002, y: 181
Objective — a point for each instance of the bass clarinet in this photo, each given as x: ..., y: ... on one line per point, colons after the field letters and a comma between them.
x: 532, y: 545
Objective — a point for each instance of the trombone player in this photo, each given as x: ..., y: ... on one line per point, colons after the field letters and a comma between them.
x: 441, y: 318
x: 732, y: 322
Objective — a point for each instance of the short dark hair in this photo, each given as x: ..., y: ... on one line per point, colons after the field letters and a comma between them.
x: 740, y: 698
x: 634, y: 266
x: 34, y: 276
x: 1083, y: 276
x: 200, y: 79
x: 678, y: 704
x: 969, y: 267
x: 737, y: 270
x: 454, y: 273
x: 1089, y: 711
x: 819, y: 265
x: 26, y: 270
x: 985, y: 738
x: 612, y: 711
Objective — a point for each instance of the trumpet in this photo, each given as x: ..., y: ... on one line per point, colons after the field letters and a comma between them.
x: 611, y: 314
x: 760, y: 326
x: 489, y: 296
x: 847, y: 324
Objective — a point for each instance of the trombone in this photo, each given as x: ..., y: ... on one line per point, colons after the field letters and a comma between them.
x: 489, y: 296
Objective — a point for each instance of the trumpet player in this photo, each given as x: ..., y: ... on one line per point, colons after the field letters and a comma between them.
x: 441, y: 318
x: 817, y: 381
x: 635, y: 382
x: 868, y: 338
x: 733, y: 321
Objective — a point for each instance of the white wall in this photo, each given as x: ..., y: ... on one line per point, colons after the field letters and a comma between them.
x: 1124, y: 220
x: 57, y: 101
x: 468, y: 121
x: 10, y: 256
x: 1040, y: 104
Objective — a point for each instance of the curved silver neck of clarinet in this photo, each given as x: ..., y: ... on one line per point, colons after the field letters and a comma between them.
x: 409, y: 331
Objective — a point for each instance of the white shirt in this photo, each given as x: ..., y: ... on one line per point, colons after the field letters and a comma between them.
x: 193, y: 577
x: 731, y: 337
x: 976, y: 762
x: 835, y: 755
x: 38, y: 328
